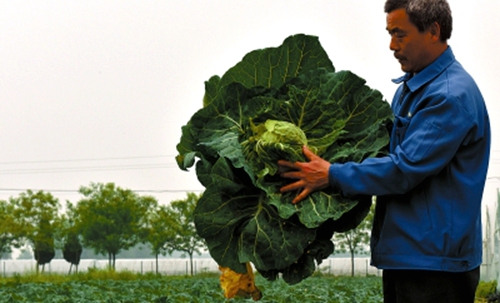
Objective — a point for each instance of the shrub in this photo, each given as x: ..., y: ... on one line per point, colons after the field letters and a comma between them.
x: 486, y: 289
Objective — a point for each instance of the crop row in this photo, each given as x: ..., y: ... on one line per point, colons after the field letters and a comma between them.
x: 192, y: 290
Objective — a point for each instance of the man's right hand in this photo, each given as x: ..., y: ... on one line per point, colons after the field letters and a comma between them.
x: 311, y: 176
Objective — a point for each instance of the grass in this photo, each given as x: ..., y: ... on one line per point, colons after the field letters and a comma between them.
x: 91, y: 274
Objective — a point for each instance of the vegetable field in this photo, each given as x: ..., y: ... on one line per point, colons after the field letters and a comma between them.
x: 189, y: 289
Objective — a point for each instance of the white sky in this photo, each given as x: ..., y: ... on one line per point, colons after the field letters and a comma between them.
x: 97, y: 91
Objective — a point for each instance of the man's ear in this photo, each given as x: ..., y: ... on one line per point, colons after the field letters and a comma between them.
x: 435, y: 31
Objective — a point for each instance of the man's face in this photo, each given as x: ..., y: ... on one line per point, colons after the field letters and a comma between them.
x: 410, y: 46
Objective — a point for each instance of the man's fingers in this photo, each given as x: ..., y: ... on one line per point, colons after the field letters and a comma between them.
x: 292, y: 186
x: 294, y: 170
x: 287, y: 164
x: 303, y: 194
x: 308, y: 153
x: 291, y: 174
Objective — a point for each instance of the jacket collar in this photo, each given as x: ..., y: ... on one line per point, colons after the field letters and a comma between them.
x: 418, y: 80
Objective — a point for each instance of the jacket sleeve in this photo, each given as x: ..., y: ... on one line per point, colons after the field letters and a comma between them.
x: 421, y: 146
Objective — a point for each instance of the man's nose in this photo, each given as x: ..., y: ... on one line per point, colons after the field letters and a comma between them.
x: 393, y: 45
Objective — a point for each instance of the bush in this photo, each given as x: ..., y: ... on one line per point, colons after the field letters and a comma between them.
x: 486, y: 289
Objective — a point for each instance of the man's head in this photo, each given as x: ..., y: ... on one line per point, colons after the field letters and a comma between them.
x: 419, y: 31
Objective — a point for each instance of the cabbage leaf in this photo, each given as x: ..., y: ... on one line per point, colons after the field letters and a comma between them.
x: 263, y: 109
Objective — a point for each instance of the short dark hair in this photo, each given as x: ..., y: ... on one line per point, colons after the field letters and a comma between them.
x: 423, y: 13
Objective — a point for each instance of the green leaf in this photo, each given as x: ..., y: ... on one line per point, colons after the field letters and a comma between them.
x: 240, y: 227
x: 272, y: 67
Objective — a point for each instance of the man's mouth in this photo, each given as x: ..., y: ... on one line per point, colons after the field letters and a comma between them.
x: 399, y: 58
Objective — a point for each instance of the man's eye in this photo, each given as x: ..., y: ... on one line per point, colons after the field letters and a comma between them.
x: 397, y: 34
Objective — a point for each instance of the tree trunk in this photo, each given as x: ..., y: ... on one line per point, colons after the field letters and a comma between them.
x: 352, y: 263
x: 156, y: 263
x: 70, y: 267
x: 191, y: 261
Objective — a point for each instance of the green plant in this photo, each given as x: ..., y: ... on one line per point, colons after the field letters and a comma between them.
x: 78, y: 288
x: 111, y: 219
x: 263, y: 109
x: 486, y: 288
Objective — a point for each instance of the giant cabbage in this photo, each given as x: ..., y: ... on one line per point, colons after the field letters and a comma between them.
x: 263, y: 109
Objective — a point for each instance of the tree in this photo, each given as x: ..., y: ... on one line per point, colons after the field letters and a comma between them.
x: 37, y: 216
x: 160, y: 231
x: 182, y: 235
x: 44, y: 244
x: 10, y: 231
x: 111, y: 219
x: 355, y: 241
x: 72, y: 248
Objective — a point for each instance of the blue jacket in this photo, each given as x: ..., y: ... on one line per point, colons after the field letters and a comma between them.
x: 430, y: 186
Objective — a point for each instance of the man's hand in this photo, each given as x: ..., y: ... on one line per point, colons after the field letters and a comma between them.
x: 311, y: 176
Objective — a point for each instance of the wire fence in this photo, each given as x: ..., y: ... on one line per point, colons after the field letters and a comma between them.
x: 181, y: 266
x: 331, y: 266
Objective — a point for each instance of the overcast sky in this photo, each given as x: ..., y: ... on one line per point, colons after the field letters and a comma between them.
x: 97, y: 91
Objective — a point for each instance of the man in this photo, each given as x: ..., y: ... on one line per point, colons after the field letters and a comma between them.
x: 426, y: 233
